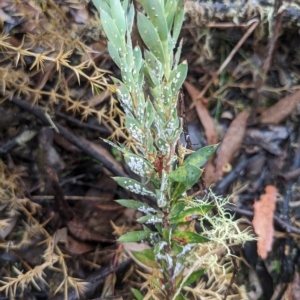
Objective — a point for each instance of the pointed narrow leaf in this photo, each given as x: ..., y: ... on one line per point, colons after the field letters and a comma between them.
x: 138, y: 165
x: 150, y: 37
x: 138, y: 61
x: 123, y: 150
x: 114, y: 54
x: 178, y: 20
x: 187, y: 237
x: 194, y: 277
x: 102, y: 5
x: 142, y: 207
x: 112, y: 31
x: 185, y: 173
x: 118, y: 15
x: 170, y: 9
x: 161, y: 198
x: 177, y: 208
x: 150, y: 114
x: 178, y: 76
x: 123, y: 95
x: 149, y: 219
x: 180, y: 297
x: 146, y: 257
x: 180, y: 188
x: 134, y: 236
x: 134, y: 128
x: 176, y: 248
x: 151, y: 78
x: 191, y: 214
x: 137, y: 294
x: 200, y: 157
x: 163, y: 146
x: 133, y: 186
x: 178, y: 53
x: 156, y: 15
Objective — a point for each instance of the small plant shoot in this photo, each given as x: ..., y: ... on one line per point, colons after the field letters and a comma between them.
x: 148, y: 91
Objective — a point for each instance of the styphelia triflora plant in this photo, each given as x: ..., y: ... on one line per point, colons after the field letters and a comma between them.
x: 148, y: 93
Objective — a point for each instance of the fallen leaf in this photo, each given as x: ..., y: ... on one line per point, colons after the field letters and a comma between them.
x: 282, y: 109
x: 81, y: 231
x: 203, y: 114
x: 263, y: 220
x: 232, y: 141
x: 76, y: 247
x: 293, y: 290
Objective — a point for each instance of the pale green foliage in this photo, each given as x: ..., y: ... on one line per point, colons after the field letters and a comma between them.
x: 148, y: 93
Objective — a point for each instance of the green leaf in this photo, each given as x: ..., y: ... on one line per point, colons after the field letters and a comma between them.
x: 146, y: 257
x: 180, y: 297
x: 137, y: 294
x: 191, y: 214
x: 200, y: 157
x: 153, y: 68
x: 163, y: 146
x: 176, y: 248
x: 123, y: 150
x: 150, y: 37
x: 180, y: 188
x: 134, y: 128
x: 150, y: 114
x: 142, y: 207
x: 114, y: 54
x: 138, y: 165
x: 127, y: 76
x: 149, y: 219
x: 178, y: 208
x: 112, y: 31
x: 133, y: 186
x: 129, y: 61
x: 188, y: 237
x: 194, y: 277
x: 134, y: 236
x: 157, y: 18
x: 138, y: 61
x: 118, y: 16
x: 178, y: 53
x: 102, y: 5
x: 123, y: 95
x: 186, y: 173
x: 125, y: 5
x: 160, y: 198
x: 166, y: 233
x: 178, y: 76
x: 130, y: 17
x: 170, y: 9
x: 158, y: 228
x: 155, y: 182
x: 152, y: 80
x: 178, y: 20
